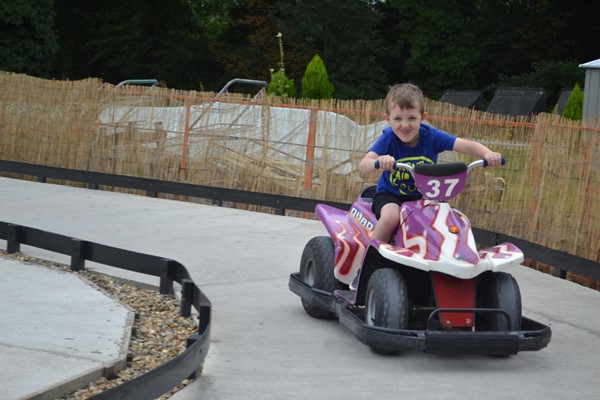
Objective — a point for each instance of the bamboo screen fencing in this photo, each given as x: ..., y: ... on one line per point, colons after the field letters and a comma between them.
x: 548, y: 193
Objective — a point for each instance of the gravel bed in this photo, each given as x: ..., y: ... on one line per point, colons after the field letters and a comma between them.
x: 159, y: 333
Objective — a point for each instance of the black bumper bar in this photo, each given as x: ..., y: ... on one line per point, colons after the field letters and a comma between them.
x: 533, y: 335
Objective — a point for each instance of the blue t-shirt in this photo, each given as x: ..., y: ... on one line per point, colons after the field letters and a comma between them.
x: 432, y: 142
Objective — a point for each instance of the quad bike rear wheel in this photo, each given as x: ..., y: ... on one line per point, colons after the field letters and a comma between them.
x: 316, y: 270
x: 386, y: 303
x: 498, y: 290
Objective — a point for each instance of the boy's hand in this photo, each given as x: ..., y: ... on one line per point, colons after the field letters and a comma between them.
x: 386, y: 163
x: 493, y: 159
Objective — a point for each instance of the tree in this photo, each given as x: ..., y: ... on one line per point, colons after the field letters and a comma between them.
x: 518, y: 37
x: 344, y: 34
x: 438, y: 50
x: 315, y: 82
x: 498, y: 26
x: 558, y: 30
x: 246, y: 50
x: 163, y: 39
x: 574, y: 107
x: 367, y: 45
x: 27, y: 40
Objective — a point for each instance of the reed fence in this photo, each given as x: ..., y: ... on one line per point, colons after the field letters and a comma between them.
x: 548, y: 193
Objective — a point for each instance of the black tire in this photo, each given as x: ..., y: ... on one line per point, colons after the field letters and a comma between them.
x: 498, y: 290
x: 316, y: 270
x: 386, y: 303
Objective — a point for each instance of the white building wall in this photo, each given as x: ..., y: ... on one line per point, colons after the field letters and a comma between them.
x: 591, y: 94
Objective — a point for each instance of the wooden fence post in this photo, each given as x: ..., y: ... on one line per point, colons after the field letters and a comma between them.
x: 537, y: 177
x: 310, y: 150
x: 186, y: 136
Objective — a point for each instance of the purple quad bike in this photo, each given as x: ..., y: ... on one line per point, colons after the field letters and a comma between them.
x: 430, y: 288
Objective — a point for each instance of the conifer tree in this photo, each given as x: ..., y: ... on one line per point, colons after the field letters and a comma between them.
x: 574, y: 107
x: 315, y: 82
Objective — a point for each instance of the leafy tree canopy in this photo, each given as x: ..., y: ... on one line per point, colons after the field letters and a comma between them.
x: 27, y: 40
x: 367, y: 45
x: 162, y: 39
x: 345, y: 35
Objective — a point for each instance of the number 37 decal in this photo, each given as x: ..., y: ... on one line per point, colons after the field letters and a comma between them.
x: 445, y: 187
x: 440, y: 187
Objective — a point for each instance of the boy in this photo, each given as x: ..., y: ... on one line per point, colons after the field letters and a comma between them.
x: 410, y: 141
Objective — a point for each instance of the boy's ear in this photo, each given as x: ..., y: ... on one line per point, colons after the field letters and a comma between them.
x: 386, y: 116
x: 424, y: 116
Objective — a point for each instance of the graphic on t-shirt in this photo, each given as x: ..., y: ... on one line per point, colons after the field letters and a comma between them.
x: 402, y: 179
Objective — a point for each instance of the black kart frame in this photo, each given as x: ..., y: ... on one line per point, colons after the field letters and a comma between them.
x: 533, y: 335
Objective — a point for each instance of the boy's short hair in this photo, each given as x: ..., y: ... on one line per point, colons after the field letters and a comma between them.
x: 405, y: 96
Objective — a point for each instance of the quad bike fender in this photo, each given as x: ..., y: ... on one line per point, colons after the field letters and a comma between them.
x: 497, y: 258
x: 501, y: 256
x: 351, y: 235
x: 401, y: 256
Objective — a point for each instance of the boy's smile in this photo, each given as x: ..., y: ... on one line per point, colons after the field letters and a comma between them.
x: 406, y: 123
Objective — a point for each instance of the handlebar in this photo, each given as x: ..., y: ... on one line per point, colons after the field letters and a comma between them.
x: 440, y: 182
x: 478, y: 163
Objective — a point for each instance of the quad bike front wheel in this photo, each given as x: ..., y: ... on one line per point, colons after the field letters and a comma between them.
x: 386, y: 303
x: 316, y: 270
x: 498, y: 290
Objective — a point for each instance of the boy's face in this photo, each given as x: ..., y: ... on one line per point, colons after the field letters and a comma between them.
x: 405, y: 123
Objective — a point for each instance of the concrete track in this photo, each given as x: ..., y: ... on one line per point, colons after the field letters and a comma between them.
x: 263, y: 344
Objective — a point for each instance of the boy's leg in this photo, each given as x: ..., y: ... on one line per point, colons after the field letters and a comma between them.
x: 388, y: 222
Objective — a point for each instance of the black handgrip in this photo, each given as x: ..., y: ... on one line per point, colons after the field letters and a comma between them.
x: 377, y: 164
x: 502, y: 161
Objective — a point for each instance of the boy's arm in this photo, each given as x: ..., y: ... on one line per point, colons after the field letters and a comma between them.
x: 366, y: 166
x: 478, y: 150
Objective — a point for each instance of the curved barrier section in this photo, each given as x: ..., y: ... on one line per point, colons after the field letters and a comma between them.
x: 167, y: 376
